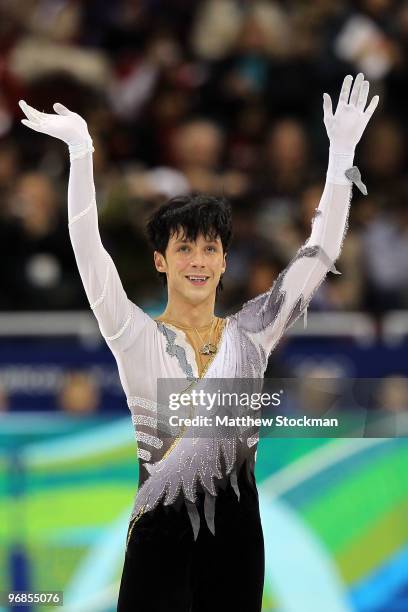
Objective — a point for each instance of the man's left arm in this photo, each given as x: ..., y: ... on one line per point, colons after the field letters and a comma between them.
x: 268, y: 316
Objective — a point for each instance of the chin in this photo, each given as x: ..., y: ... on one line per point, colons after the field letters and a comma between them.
x: 197, y: 296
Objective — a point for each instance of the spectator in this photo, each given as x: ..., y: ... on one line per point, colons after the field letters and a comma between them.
x: 222, y: 96
x: 79, y: 394
x: 197, y: 147
x: 46, y: 276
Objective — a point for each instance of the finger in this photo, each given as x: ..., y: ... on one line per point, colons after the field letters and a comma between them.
x: 355, y: 92
x: 30, y: 124
x: 345, y: 89
x: 29, y: 109
x: 327, y: 107
x: 23, y: 105
x: 371, y: 107
x: 363, y: 95
x: 29, y: 115
x: 60, y: 109
x: 30, y: 112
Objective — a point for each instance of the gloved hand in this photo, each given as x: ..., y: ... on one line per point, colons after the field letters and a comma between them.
x: 65, y: 125
x: 348, y: 123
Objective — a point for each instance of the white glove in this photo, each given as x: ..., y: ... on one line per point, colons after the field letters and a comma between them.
x: 348, y: 123
x: 65, y: 125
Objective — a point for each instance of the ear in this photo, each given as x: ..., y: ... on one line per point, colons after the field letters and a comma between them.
x: 224, y: 265
x: 160, y: 262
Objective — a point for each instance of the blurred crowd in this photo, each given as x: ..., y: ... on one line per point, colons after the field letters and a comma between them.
x: 219, y: 96
x: 79, y: 393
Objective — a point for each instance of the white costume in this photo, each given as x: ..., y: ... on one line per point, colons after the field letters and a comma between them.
x: 146, y: 350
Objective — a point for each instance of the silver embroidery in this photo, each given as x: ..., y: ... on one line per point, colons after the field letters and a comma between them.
x: 141, y: 436
x: 299, y: 306
x: 162, y: 422
x: 144, y: 454
x: 259, y: 313
x: 175, y: 350
x: 197, y: 460
x: 182, y: 469
x: 142, y: 403
x: 316, y: 251
x: 141, y: 419
x: 253, y: 362
x: 262, y: 312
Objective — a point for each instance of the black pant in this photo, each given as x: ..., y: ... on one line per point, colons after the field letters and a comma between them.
x: 165, y: 570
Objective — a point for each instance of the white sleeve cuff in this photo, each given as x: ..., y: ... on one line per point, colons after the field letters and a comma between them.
x: 338, y: 164
x: 80, y: 150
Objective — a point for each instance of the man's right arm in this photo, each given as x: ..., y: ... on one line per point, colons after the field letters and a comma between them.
x: 120, y: 321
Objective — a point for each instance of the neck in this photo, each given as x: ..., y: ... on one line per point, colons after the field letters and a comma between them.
x: 190, y: 315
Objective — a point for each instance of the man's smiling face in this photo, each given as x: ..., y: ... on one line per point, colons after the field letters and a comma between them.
x: 193, y: 268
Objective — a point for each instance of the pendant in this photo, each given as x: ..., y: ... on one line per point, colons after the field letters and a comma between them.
x: 208, y: 349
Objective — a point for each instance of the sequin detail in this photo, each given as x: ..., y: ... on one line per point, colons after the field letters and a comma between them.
x: 262, y: 312
x: 186, y: 463
x: 182, y: 469
x: 142, y: 402
x: 175, y: 350
x: 103, y: 294
x: 316, y: 251
x: 259, y: 313
x: 141, y: 436
x: 141, y: 419
x: 144, y: 454
x: 121, y: 331
x: 254, y: 361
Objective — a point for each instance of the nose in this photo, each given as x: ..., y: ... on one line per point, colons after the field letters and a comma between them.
x: 197, y: 260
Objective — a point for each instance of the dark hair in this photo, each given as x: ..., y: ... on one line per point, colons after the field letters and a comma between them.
x: 191, y: 215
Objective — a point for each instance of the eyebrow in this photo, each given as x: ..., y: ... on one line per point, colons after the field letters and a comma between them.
x: 217, y: 239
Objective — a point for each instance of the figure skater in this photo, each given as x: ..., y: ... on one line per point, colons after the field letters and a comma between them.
x: 194, y: 540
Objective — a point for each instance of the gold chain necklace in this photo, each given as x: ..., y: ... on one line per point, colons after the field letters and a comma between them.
x: 208, y: 347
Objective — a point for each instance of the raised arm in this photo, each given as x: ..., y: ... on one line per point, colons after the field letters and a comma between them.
x: 118, y: 318
x: 267, y: 317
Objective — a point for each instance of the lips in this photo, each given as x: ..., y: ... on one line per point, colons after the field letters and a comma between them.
x: 197, y: 279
